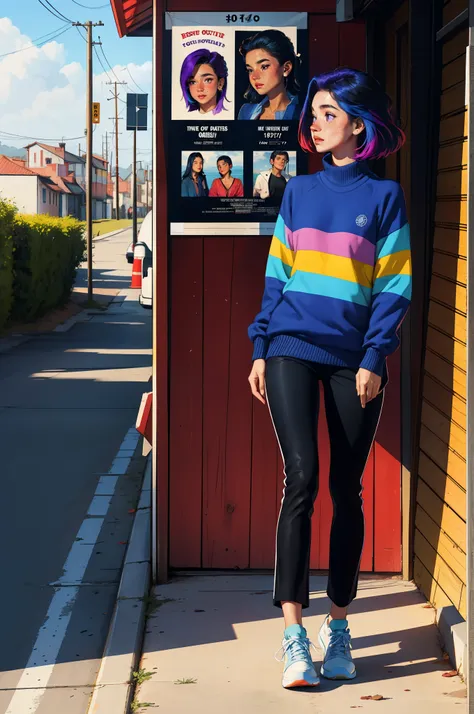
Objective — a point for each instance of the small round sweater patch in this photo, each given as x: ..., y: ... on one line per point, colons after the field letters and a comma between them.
x: 361, y: 220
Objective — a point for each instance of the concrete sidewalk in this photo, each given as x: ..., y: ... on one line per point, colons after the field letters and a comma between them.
x: 220, y: 632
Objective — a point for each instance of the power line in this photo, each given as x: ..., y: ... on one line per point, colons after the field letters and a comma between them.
x: 135, y: 83
x: 101, y: 63
x: 80, y: 33
x: 58, y: 12
x: 90, y: 7
x: 54, y: 14
x: 9, y: 135
x: 105, y: 57
x: 44, y: 39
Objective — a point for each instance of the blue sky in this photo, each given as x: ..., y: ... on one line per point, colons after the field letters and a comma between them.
x: 35, y: 21
x: 42, y: 90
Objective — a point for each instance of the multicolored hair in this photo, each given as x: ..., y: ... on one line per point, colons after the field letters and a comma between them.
x: 189, y: 68
x: 360, y: 96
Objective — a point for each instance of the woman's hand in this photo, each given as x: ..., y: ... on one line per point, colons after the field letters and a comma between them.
x: 257, y: 380
x: 367, y: 385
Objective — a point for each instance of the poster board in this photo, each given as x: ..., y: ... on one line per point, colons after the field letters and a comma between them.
x: 233, y: 103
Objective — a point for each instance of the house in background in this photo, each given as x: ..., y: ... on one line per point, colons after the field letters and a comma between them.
x: 125, y: 195
x: 73, y: 196
x: 58, y: 162
x: 29, y: 191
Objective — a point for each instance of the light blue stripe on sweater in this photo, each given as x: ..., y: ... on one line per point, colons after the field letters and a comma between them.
x: 277, y: 269
x: 394, y: 242
x: 325, y: 285
x: 280, y: 231
x: 396, y: 284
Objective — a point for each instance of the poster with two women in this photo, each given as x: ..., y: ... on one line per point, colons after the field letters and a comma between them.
x: 236, y: 88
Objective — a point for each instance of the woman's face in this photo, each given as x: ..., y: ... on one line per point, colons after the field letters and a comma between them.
x: 332, y: 128
x: 266, y: 74
x: 204, y: 85
x: 198, y: 165
x: 223, y: 167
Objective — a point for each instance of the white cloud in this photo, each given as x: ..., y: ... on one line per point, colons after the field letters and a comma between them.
x: 42, y: 95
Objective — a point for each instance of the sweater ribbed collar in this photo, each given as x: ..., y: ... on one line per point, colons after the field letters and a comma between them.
x: 342, y: 177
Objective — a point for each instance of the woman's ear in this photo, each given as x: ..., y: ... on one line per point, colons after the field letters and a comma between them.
x: 287, y: 67
x: 359, y: 126
x: 220, y: 84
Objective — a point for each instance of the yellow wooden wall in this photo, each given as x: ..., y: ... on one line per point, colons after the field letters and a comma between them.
x: 440, y: 535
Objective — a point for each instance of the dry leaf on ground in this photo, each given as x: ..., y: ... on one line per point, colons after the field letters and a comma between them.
x: 374, y: 698
x: 452, y: 673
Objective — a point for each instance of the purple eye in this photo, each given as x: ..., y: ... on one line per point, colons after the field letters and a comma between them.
x: 330, y: 117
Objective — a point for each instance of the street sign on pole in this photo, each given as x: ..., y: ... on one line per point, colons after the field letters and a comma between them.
x: 96, y: 112
x: 137, y: 112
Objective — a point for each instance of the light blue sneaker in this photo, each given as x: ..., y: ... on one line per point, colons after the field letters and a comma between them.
x: 299, y: 670
x: 335, y: 641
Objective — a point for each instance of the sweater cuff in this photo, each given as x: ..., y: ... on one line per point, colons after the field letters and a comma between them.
x: 260, y: 347
x: 373, y: 361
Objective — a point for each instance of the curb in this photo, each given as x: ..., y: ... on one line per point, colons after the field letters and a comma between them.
x: 109, y: 235
x: 113, y: 689
x: 453, y: 630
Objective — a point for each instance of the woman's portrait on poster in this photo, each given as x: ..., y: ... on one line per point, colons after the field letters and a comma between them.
x: 194, y: 183
x: 203, y: 80
x: 272, y: 65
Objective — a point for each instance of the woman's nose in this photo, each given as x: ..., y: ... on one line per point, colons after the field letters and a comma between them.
x: 255, y: 76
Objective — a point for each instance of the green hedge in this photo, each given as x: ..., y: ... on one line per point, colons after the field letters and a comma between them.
x: 7, y: 216
x: 47, y: 252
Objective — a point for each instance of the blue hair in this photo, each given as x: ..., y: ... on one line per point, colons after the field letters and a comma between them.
x: 360, y: 96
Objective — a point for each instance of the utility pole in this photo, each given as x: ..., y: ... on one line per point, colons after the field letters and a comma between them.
x: 134, y: 190
x: 89, y: 98
x: 117, y: 196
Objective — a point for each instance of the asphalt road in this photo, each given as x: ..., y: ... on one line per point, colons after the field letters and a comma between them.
x: 67, y: 402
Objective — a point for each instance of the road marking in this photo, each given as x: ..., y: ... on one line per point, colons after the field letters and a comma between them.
x: 34, y: 680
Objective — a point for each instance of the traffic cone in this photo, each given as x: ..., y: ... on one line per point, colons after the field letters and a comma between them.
x: 136, y: 272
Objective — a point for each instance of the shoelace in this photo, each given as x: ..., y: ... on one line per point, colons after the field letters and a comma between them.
x: 339, y: 644
x: 300, y: 649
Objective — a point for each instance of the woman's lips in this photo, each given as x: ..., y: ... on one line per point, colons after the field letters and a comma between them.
x: 317, y: 139
x: 258, y: 86
x: 201, y: 96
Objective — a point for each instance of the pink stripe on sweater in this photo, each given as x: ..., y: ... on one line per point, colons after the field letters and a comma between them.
x: 347, y: 245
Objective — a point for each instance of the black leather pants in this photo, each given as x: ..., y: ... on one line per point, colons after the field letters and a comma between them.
x: 293, y: 399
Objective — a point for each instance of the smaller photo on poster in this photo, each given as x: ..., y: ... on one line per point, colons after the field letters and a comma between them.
x: 268, y: 82
x: 271, y: 172
x: 212, y: 174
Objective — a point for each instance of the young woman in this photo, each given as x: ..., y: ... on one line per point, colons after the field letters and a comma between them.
x: 272, y: 66
x: 194, y: 184
x: 272, y: 183
x: 204, y: 81
x: 337, y: 286
x: 226, y: 186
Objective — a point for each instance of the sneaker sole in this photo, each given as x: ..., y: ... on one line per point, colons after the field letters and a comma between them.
x: 300, y: 683
x: 338, y: 676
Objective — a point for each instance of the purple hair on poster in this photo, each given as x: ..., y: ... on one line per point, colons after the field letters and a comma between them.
x: 189, y: 68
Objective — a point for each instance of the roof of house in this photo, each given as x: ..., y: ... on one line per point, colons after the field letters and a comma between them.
x: 133, y: 17
x: 14, y: 168
x: 58, y: 151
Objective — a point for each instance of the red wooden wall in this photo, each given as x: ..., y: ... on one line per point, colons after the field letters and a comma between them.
x: 226, y: 476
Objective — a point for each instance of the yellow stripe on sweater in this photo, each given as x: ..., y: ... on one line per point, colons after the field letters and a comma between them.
x: 278, y: 250
x: 335, y: 266
x: 393, y: 264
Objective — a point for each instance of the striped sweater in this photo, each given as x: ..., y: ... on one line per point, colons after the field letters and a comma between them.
x: 338, y: 277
